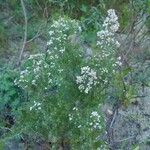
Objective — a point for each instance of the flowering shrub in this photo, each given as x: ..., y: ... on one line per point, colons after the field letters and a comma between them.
x: 66, y: 90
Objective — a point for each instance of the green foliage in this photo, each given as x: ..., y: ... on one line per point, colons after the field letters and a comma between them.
x: 10, y: 98
x: 8, y: 91
x: 123, y: 90
x: 3, y: 37
x: 66, y: 90
x: 1, y: 145
x: 58, y: 107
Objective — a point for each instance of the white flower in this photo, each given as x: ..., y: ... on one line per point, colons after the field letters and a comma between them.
x: 111, y: 26
x: 24, y: 72
x: 95, y: 120
x: 81, y: 87
x: 62, y: 50
x: 94, y: 113
x: 36, y: 106
x: 79, y: 79
x: 51, y: 32
x: 60, y: 70
x: 50, y: 42
x: 34, y: 82
x: 86, y: 90
x: 87, y: 79
x: 75, y: 108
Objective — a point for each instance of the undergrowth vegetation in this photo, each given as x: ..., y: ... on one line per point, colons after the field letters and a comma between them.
x: 57, y: 92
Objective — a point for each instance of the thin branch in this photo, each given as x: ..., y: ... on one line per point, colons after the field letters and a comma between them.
x: 39, y: 33
x: 113, y: 119
x: 5, y: 128
x: 36, y: 36
x: 25, y: 32
x: 128, y: 138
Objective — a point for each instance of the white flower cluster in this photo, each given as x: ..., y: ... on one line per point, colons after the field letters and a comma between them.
x: 59, y: 33
x: 87, y: 79
x: 95, y: 120
x: 41, y: 66
x: 36, y: 106
x: 106, y: 60
x: 71, y: 116
x: 24, y: 74
x: 22, y: 78
x: 111, y: 21
x: 118, y: 62
x: 107, y: 66
x: 33, y: 74
x: 74, y: 116
x: 111, y: 26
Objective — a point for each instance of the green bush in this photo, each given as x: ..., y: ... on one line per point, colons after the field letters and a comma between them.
x: 66, y: 88
x: 11, y: 97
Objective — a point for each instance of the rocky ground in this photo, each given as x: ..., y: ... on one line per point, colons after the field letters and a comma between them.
x: 130, y: 127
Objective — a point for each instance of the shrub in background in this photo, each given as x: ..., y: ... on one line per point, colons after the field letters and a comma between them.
x: 11, y: 97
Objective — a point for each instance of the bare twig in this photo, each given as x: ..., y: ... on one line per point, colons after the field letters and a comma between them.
x: 113, y: 119
x: 5, y: 128
x: 131, y: 33
x: 36, y: 36
x: 38, y: 4
x: 128, y: 138
x: 25, y: 32
x: 39, y: 33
